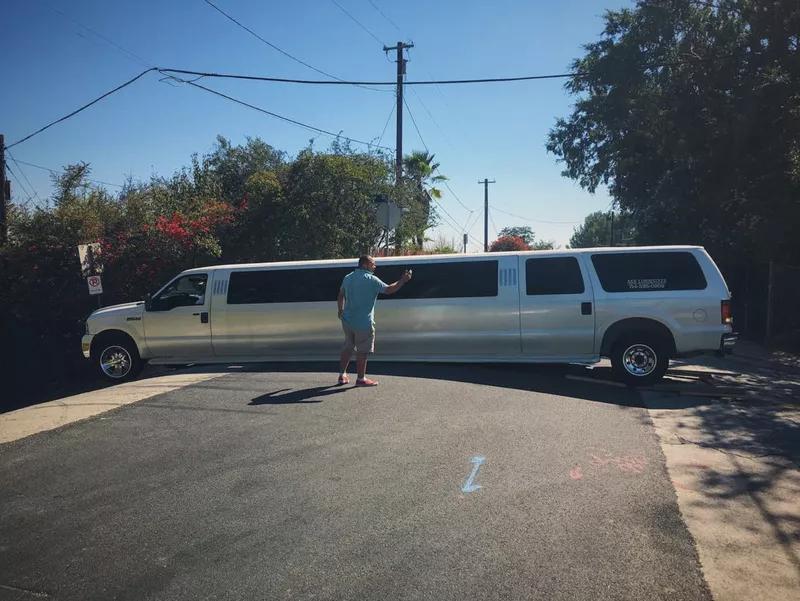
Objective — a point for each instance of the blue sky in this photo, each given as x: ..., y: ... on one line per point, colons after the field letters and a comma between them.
x: 496, y: 131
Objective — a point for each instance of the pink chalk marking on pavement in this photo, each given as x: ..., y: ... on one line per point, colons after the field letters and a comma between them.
x: 627, y: 463
x: 576, y: 473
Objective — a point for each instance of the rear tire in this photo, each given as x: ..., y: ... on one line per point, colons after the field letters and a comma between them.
x: 639, y: 359
x: 116, y: 358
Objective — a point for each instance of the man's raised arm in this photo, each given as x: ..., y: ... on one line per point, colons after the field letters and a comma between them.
x: 399, y: 283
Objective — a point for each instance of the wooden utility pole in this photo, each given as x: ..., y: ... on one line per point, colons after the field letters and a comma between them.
x: 401, y: 71
x: 771, y: 281
x: 4, y: 193
x: 486, y: 183
x: 612, y: 227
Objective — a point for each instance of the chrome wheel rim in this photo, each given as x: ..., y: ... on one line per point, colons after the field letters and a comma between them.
x: 116, y: 362
x: 639, y: 360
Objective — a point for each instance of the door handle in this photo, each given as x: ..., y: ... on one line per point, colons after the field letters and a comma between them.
x: 204, y: 317
x: 195, y: 314
x: 586, y: 308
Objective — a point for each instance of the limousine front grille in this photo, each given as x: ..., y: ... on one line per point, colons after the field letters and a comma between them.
x: 220, y: 287
x: 508, y: 277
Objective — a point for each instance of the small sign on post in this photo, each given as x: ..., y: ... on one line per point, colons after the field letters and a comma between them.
x: 95, y: 285
x: 90, y: 258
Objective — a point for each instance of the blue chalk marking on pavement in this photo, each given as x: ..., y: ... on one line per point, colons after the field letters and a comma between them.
x: 469, y: 486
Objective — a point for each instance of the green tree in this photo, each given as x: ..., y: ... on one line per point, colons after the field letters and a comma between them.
x: 687, y: 111
x: 330, y: 209
x: 421, y: 169
x: 595, y: 231
x: 524, y: 232
x: 543, y: 245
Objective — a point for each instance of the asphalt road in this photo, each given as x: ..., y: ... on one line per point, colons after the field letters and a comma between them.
x: 272, y: 485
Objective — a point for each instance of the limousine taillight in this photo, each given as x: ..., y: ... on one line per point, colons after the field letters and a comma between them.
x: 727, y: 318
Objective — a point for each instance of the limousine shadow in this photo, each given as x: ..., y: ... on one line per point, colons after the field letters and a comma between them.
x: 558, y: 380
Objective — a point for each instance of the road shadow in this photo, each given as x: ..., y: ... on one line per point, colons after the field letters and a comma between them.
x: 287, y: 396
x: 21, y: 393
x: 757, y: 381
x: 539, y: 378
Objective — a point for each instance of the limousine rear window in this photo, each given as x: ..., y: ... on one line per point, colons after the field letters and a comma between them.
x: 555, y: 275
x: 463, y: 279
x: 647, y: 271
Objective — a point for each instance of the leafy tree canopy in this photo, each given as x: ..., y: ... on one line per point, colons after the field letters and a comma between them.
x: 687, y: 110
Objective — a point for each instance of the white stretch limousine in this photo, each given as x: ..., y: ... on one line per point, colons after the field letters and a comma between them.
x: 638, y: 306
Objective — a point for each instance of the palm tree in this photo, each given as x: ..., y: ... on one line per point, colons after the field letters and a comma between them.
x: 420, y: 168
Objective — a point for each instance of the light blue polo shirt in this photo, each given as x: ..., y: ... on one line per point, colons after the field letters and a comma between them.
x: 361, y: 289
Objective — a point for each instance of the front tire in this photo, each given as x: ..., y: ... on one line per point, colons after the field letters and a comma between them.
x: 116, y: 358
x: 639, y: 359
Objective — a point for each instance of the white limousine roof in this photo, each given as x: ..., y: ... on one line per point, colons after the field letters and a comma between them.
x: 447, y: 257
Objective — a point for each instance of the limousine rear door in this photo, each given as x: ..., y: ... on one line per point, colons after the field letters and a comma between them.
x: 176, y: 322
x: 556, y: 308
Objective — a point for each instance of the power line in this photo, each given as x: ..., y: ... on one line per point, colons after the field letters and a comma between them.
x: 438, y: 204
x: 537, y: 220
x: 375, y: 6
x: 452, y: 222
x: 30, y: 185
x: 95, y: 181
x: 436, y: 123
x: 496, y: 232
x: 359, y: 23
x: 83, y: 108
x: 437, y: 82
x: 274, y: 47
x: 130, y: 54
x: 477, y: 218
x: 414, y: 121
x: 22, y: 187
x: 282, y: 118
x: 201, y: 74
x: 388, y: 119
x: 403, y: 33
x: 447, y: 185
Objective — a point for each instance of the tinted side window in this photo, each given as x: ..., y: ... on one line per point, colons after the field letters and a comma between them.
x: 555, y: 275
x: 453, y: 279
x: 639, y: 272
x: 286, y: 285
x: 431, y: 280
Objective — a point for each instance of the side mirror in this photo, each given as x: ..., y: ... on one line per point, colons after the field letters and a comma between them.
x: 148, y: 302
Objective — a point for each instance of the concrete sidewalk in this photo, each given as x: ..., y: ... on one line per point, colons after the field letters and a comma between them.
x: 750, y: 353
x: 54, y: 414
x: 735, y: 466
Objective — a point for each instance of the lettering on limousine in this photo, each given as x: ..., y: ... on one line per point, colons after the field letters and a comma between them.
x: 134, y: 319
x: 469, y: 486
x: 647, y: 284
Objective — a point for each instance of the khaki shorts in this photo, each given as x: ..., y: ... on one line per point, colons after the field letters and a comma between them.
x: 361, y: 341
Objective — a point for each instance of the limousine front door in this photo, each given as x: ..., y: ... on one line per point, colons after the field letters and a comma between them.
x: 556, y: 308
x: 176, y: 322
